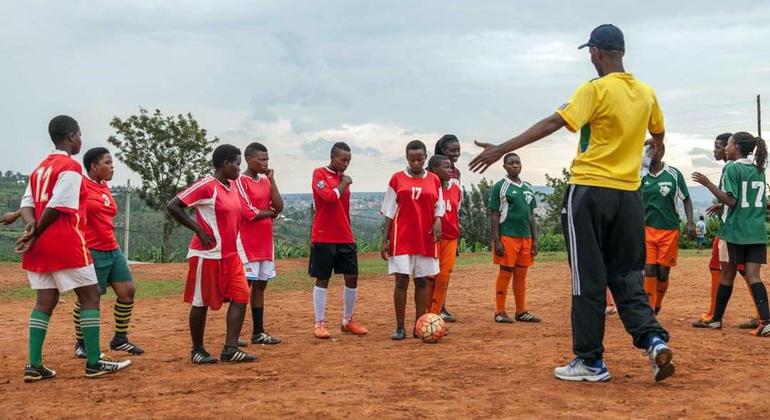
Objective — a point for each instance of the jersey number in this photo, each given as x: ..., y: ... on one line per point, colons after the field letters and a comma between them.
x: 448, y: 206
x: 755, y: 185
x: 43, y: 176
x: 416, y: 191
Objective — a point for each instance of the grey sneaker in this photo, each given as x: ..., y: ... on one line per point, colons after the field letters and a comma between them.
x: 578, y: 370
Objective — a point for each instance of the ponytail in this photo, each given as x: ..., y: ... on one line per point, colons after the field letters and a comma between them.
x: 760, y: 156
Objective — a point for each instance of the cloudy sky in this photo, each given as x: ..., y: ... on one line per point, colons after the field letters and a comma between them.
x: 298, y: 76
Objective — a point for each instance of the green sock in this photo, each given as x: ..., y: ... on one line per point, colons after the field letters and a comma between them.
x: 76, y: 320
x: 89, y: 323
x: 38, y: 325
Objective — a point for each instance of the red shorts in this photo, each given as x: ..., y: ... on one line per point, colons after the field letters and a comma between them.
x: 212, y: 282
x: 714, y: 263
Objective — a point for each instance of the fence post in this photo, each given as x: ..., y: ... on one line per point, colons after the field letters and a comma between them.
x: 128, y: 217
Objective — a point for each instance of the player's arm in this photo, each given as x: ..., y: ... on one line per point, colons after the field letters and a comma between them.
x: 386, y: 238
x: 533, y: 229
x: 493, y: 152
x: 690, y: 225
x: 494, y: 218
x: 276, y: 201
x: 11, y: 217
x: 175, y: 208
x: 438, y: 212
x: 27, y: 214
x: 720, y: 195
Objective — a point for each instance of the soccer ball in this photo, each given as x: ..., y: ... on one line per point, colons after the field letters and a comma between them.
x: 430, y: 328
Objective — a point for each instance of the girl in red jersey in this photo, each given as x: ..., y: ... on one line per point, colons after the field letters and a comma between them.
x: 413, y: 206
x: 262, y: 202
x: 449, y: 145
x: 215, y: 271
x: 110, y: 263
x: 450, y: 231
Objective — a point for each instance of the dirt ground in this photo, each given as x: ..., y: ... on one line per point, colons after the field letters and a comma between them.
x: 481, y: 370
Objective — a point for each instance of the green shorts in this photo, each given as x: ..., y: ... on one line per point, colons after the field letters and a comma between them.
x: 111, y: 267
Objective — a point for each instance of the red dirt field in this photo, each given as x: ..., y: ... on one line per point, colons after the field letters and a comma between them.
x: 481, y: 370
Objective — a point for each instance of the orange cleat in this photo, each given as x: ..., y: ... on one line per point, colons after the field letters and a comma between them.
x: 321, y: 331
x: 353, y: 328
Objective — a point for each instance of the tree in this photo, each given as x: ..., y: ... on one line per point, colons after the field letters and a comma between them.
x: 554, y: 201
x: 168, y: 152
x: 474, y: 215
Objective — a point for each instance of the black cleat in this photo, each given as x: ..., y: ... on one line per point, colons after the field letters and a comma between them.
x: 503, y: 318
x: 399, y: 334
x: 34, y: 374
x: 80, y: 350
x: 201, y: 357
x: 236, y: 356
x: 121, y: 343
x: 446, y: 316
x: 264, y: 338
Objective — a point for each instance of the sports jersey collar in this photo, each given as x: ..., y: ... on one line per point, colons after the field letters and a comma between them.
x: 330, y: 170
x: 59, y: 152
x: 744, y: 161
x: 510, y: 181
x: 663, y: 169
x: 227, y: 187
x: 424, y: 173
x: 88, y: 178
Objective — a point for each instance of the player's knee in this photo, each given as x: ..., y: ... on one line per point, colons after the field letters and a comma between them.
x: 506, y: 269
x: 402, y: 283
x: 651, y: 270
x: 322, y: 283
x: 351, y: 281
x: 127, y: 293
x: 420, y: 282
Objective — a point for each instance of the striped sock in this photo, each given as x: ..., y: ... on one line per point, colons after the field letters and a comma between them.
x: 76, y: 320
x: 89, y: 323
x: 122, y: 312
x: 38, y: 325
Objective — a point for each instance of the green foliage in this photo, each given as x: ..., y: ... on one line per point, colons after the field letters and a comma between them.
x: 168, y: 152
x: 474, y: 217
x: 551, y: 222
x: 551, y: 242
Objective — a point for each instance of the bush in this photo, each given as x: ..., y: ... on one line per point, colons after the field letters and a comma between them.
x: 551, y: 242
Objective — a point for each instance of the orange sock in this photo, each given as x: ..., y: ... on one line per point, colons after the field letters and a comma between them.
x: 650, y: 286
x: 501, y: 289
x: 660, y: 291
x: 520, y: 289
x: 716, y: 275
x: 440, y: 285
x: 431, y: 290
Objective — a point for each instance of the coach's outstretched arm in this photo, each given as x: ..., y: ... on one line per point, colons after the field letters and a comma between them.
x: 493, y: 152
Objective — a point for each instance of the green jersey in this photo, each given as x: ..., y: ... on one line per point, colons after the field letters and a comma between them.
x: 515, y: 203
x: 744, y: 224
x: 660, y: 192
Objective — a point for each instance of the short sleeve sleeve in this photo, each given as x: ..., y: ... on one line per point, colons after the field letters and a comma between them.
x: 26, y: 199
x: 494, y: 197
x: 580, y: 107
x: 730, y: 182
x: 389, y: 203
x: 656, y: 125
x: 440, y: 208
x: 533, y: 202
x: 196, y: 193
x: 682, y: 191
x: 65, y: 196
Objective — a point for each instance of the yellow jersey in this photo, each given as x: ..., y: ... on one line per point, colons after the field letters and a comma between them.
x: 613, y: 114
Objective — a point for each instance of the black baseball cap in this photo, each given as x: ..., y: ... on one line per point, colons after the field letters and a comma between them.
x: 606, y: 37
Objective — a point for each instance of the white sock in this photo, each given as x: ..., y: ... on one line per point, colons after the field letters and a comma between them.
x: 349, y: 302
x: 319, y: 302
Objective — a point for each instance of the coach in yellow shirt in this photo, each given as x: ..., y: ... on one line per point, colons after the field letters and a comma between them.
x: 603, y: 215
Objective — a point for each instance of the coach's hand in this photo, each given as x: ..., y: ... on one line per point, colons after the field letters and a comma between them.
x: 491, y: 154
x: 384, y: 249
x: 499, y: 248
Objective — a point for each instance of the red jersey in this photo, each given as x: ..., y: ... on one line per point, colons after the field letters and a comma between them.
x: 57, y: 182
x: 450, y: 223
x: 331, y: 223
x: 255, y: 238
x: 413, y: 203
x: 218, y: 212
x: 101, y: 209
